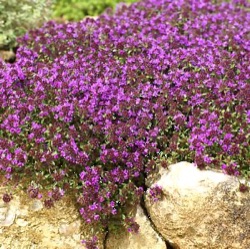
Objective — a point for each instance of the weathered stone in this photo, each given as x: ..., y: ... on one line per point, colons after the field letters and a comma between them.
x: 25, y: 223
x: 7, y: 55
x: 147, y: 238
x: 36, y: 205
x: 201, y: 209
x: 9, y: 219
x: 69, y: 229
x: 21, y: 222
x: 3, y: 212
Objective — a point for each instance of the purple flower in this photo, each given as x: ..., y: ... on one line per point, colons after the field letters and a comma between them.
x: 248, y: 116
x: 230, y: 169
x: 155, y: 193
x: 93, y: 105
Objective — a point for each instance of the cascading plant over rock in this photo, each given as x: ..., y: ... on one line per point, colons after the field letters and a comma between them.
x: 90, y: 106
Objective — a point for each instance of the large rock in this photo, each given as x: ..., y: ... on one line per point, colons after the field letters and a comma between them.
x: 201, y: 209
x: 147, y: 238
x: 25, y: 223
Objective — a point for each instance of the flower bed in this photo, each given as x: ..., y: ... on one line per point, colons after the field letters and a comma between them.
x: 94, y: 105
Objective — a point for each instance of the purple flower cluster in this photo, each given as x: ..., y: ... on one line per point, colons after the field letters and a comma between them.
x: 87, y: 105
x: 131, y: 225
x: 7, y: 197
x: 91, y: 244
x: 230, y: 169
x: 155, y: 193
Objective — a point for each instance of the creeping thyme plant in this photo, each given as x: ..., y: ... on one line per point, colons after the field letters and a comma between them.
x: 92, y: 106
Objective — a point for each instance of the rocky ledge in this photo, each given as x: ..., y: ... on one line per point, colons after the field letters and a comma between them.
x: 198, y: 209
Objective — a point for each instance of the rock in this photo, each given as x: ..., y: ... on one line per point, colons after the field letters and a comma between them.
x: 36, y: 205
x: 9, y: 219
x: 200, y: 209
x: 29, y: 225
x: 69, y: 229
x: 8, y: 213
x: 147, y: 238
x: 3, y: 212
x: 7, y: 55
x: 22, y: 222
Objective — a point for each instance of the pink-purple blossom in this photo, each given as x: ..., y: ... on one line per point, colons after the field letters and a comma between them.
x: 90, y: 103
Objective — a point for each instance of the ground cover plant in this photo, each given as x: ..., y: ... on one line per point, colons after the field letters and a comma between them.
x: 75, y: 10
x: 94, y: 106
x: 18, y: 16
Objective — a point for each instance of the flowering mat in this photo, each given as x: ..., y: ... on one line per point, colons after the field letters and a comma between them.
x: 93, y: 106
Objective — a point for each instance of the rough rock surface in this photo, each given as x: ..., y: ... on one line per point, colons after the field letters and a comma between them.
x: 26, y: 224
x: 7, y: 55
x: 147, y: 238
x: 201, y: 209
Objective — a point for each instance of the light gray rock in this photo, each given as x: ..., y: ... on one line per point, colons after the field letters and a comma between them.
x: 21, y: 222
x: 36, y: 205
x: 201, y: 209
x: 3, y: 212
x: 8, y: 214
x: 9, y: 219
x: 70, y: 229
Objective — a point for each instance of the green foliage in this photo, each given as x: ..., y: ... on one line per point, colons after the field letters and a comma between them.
x: 74, y: 10
x: 18, y: 16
